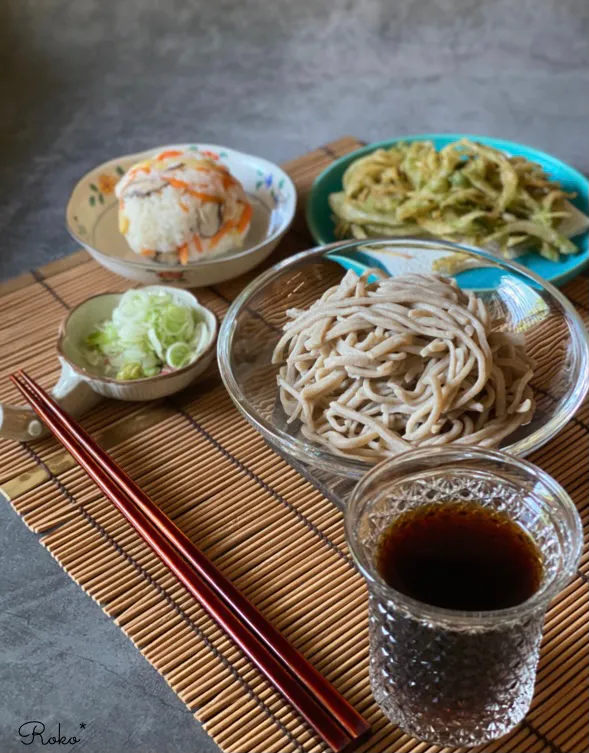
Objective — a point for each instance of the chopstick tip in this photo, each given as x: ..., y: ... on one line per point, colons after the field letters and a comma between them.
x: 19, y: 379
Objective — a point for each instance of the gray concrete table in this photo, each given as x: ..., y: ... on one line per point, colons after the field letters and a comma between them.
x: 84, y: 81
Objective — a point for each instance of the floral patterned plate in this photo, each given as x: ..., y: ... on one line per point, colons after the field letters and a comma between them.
x: 92, y: 219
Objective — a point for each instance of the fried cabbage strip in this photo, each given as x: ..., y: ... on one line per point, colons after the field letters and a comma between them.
x: 466, y: 191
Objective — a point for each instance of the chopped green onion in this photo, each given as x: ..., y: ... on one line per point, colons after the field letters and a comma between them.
x: 147, y: 333
x: 178, y: 355
x: 130, y: 371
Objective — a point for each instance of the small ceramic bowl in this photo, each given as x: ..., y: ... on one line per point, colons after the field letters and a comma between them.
x: 92, y: 219
x: 99, y: 308
x: 80, y: 387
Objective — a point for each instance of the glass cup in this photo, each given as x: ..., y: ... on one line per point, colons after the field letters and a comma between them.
x: 444, y: 676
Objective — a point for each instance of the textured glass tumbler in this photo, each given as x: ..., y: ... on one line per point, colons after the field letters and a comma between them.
x: 445, y: 676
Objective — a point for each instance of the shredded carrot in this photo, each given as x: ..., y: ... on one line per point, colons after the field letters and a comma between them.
x: 147, y: 252
x: 183, y: 253
x: 205, y: 196
x: 223, y: 230
x: 169, y: 153
x: 177, y: 183
x: 240, y: 225
x: 199, y: 194
x: 209, y: 168
x: 183, y: 206
x: 245, y: 218
x: 198, y: 244
x: 228, y: 181
x: 133, y: 172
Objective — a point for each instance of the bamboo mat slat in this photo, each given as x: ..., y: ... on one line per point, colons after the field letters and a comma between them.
x: 275, y: 534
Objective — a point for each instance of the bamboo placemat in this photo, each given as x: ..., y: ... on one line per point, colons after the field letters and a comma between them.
x: 273, y: 533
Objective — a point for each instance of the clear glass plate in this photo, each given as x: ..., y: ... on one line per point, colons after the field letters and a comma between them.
x: 555, y: 337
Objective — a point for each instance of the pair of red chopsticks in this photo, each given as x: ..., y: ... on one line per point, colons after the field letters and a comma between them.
x: 326, y: 711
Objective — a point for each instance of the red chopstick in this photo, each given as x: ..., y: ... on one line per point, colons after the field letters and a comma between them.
x: 305, y: 688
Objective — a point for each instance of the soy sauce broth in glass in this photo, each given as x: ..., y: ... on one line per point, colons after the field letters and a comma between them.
x: 459, y: 556
x: 462, y: 550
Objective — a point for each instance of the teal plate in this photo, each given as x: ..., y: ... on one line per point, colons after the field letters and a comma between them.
x: 319, y: 217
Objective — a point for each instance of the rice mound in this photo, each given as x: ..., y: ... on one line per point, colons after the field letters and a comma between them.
x: 177, y: 207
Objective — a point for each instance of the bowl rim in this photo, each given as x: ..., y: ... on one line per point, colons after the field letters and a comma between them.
x: 315, y: 455
x: 62, y: 334
x: 217, y: 261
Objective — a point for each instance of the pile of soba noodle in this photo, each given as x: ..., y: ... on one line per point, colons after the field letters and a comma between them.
x: 373, y: 369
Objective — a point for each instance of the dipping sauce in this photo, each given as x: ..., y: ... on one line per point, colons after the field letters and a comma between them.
x: 459, y: 556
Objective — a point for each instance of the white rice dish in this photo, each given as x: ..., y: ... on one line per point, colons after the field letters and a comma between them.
x: 178, y: 207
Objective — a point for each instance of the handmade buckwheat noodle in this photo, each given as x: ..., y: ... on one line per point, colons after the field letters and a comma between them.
x: 372, y: 369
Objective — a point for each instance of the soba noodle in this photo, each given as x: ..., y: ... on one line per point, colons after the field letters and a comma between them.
x: 373, y: 369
